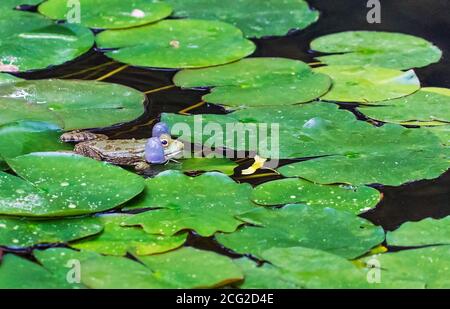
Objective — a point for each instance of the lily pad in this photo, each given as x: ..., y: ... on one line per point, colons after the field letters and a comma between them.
x: 343, y: 146
x: 19, y: 273
x: 294, y: 190
x: 223, y: 165
x: 182, y: 203
x: 206, y: 269
x: 71, y: 104
x: 61, y: 184
x: 15, y: 3
x: 271, y: 17
x: 177, y: 44
x: 425, y: 267
x: 367, y: 84
x: 111, y: 14
x: 423, y: 107
x: 7, y: 78
x: 426, y: 232
x: 30, y: 42
x: 257, y: 81
x: 386, y: 49
x: 442, y: 132
x: 21, y: 233
x: 296, y: 225
x: 303, y: 268
x: 24, y: 137
x: 118, y: 240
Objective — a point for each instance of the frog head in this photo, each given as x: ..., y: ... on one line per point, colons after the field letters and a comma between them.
x: 161, y: 147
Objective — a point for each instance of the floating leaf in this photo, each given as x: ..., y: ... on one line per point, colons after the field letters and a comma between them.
x: 187, y: 204
x: 30, y: 42
x: 21, y: 233
x: 368, y: 84
x: 293, y: 190
x: 14, y: 3
x: 386, y: 49
x: 7, y: 78
x: 61, y: 184
x: 296, y: 225
x: 257, y: 81
x: 177, y: 44
x: 424, y: 268
x: 442, y: 132
x: 303, y: 268
x: 111, y: 14
x: 271, y: 17
x: 24, y: 137
x: 426, y: 105
x: 223, y: 165
x: 73, y: 104
x: 118, y: 240
x: 205, y: 269
x: 426, y: 232
x: 63, y: 263
x: 19, y: 273
x: 389, y: 155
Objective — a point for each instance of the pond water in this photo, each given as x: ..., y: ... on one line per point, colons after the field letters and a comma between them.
x: 410, y: 202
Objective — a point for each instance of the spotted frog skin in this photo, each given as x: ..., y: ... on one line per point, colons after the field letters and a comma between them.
x: 139, y: 153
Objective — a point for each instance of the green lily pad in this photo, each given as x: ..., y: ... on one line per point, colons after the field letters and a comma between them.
x: 7, y: 78
x: 257, y: 81
x: 21, y: 233
x: 14, y: 3
x: 183, y: 203
x: 19, y: 273
x: 299, y: 267
x: 426, y: 232
x: 425, y: 267
x: 118, y: 240
x: 60, y: 261
x: 385, y: 49
x: 30, y: 41
x: 366, y: 84
x: 111, y: 14
x: 24, y: 137
x: 389, y: 155
x: 71, y: 104
x: 270, y: 17
x: 206, y: 269
x: 424, y: 106
x: 293, y: 190
x: 223, y: 165
x: 61, y: 184
x: 177, y: 44
x: 295, y: 225
x: 442, y: 132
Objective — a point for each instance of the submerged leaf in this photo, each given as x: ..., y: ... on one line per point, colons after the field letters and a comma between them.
x: 385, y: 49
x: 257, y: 82
x: 296, y: 225
x: 177, y: 44
x: 366, y: 84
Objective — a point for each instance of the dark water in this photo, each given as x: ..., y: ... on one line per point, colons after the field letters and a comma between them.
x: 427, y: 19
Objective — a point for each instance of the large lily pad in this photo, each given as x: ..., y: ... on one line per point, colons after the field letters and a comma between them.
x: 390, y: 155
x: 295, y: 225
x: 111, y: 14
x: 191, y: 165
x: 19, y: 273
x: 30, y: 41
x: 206, y: 204
x: 24, y: 137
x: 294, y: 190
x: 386, y: 49
x: 205, y: 269
x: 257, y: 81
x: 423, y: 107
x: 118, y: 240
x: 177, y: 44
x: 425, y: 267
x: 71, y: 104
x: 299, y: 267
x: 426, y: 232
x: 270, y: 17
x: 366, y: 84
x: 442, y: 132
x: 60, y: 184
x: 21, y: 233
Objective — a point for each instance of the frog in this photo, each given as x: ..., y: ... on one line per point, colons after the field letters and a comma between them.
x: 138, y: 153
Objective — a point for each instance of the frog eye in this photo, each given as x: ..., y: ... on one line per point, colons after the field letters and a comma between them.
x: 164, y: 142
